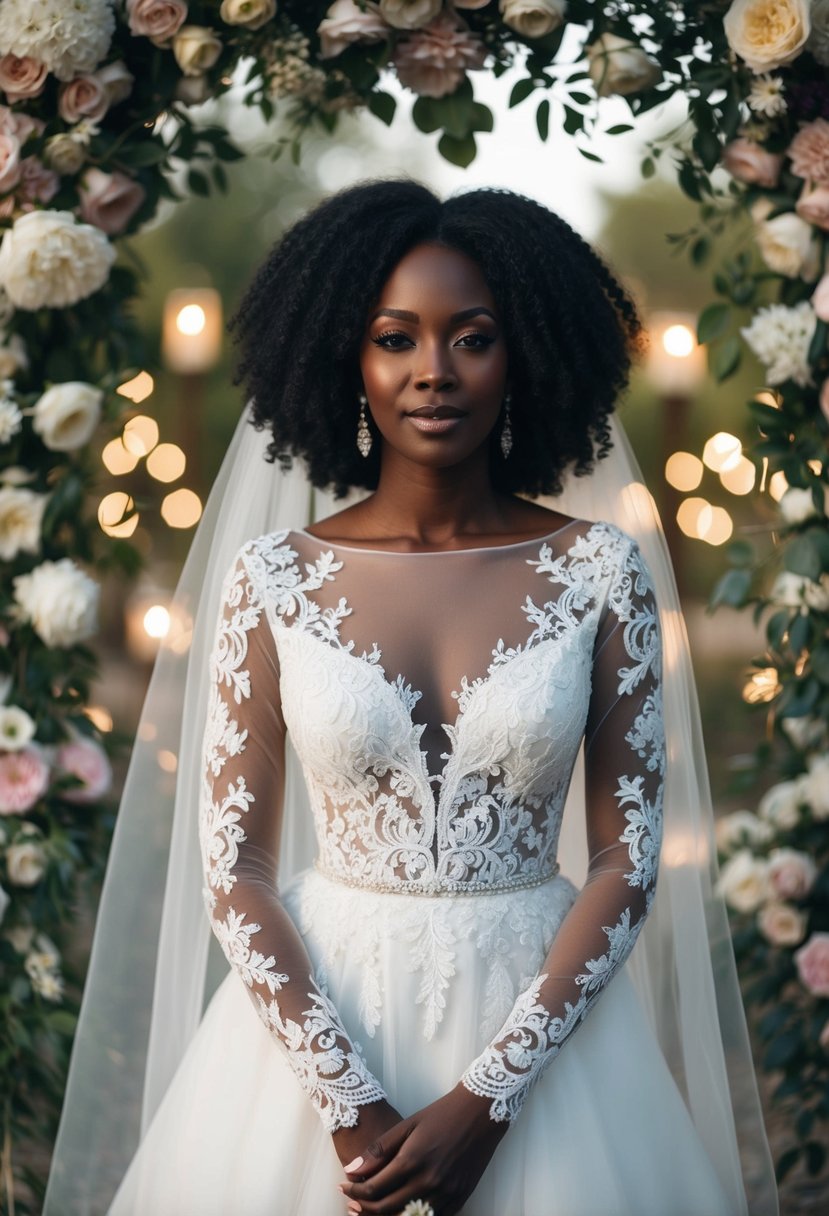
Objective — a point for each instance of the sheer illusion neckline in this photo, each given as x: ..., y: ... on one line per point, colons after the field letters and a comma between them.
x: 533, y: 540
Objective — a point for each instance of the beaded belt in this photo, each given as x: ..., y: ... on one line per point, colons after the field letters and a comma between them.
x: 411, y: 886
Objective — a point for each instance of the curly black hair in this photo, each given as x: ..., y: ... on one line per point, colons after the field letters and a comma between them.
x: 571, y: 329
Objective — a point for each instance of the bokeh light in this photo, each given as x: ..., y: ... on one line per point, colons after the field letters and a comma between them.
x: 118, y: 459
x: 138, y: 389
x: 181, y: 508
x: 739, y: 479
x: 157, y: 621
x: 191, y: 320
x: 141, y: 435
x: 722, y: 451
x: 111, y: 511
x: 166, y: 462
x: 683, y: 471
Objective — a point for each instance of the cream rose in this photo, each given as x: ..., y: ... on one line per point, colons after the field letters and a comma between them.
x: 9, y: 161
x: 767, y: 33
x: 748, y: 161
x: 158, y: 20
x: 21, y: 518
x: 812, y: 962
x: 25, y: 863
x: 252, y: 14
x: 813, y: 786
x: 781, y: 924
x: 66, y: 415
x: 813, y: 206
x: 345, y: 23
x: 59, y: 600
x: 410, y: 14
x: 22, y: 77
x: 797, y: 505
x: 110, y: 200
x: 49, y: 260
x: 13, y: 358
x: 196, y: 49
x: 65, y: 154
x: 744, y: 882
x: 791, y: 873
x: 794, y: 591
x: 779, y: 806
x: 787, y: 243
x: 117, y: 80
x: 83, y: 97
x: 17, y: 728
x: 533, y: 18
x: 740, y: 827
x: 617, y: 65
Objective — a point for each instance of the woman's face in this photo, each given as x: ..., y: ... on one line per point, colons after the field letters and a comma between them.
x: 434, y: 359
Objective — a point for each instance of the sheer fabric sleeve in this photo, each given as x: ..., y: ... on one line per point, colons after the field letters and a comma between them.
x: 239, y: 821
x: 624, y: 775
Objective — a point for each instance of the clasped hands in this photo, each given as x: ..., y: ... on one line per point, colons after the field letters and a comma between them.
x: 436, y: 1155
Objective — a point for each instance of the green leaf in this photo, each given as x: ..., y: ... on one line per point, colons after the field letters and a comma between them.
x: 802, y: 556
x: 732, y: 588
x: 713, y: 322
x: 815, y: 1157
x: 197, y: 183
x: 782, y: 1050
x: 724, y: 358
x: 426, y: 115
x: 776, y: 627
x: 458, y: 151
x: 590, y: 155
x: 382, y: 106
x: 520, y: 91
x: 619, y: 128
x: 740, y: 552
x: 542, y: 119
x: 799, y: 632
x: 481, y: 119
x: 768, y: 417
x: 648, y: 167
x: 151, y: 152
x: 573, y: 120
x: 786, y: 1163
x: 817, y: 346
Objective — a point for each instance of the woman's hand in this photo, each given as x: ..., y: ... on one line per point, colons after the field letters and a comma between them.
x: 375, y: 1119
x: 437, y: 1155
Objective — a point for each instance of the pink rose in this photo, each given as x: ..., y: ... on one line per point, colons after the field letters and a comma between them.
x: 22, y: 77
x: 813, y: 205
x: 781, y: 924
x: 749, y: 162
x: 345, y: 22
x: 809, y: 151
x: 87, y: 760
x: 792, y: 874
x: 83, y: 97
x: 820, y: 298
x: 22, y: 125
x: 813, y: 964
x: 9, y: 161
x: 24, y: 776
x: 37, y: 183
x: 158, y: 20
x: 433, y: 61
x: 109, y: 200
x: 117, y: 79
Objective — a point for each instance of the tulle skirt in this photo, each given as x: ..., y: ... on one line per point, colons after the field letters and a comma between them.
x: 422, y: 983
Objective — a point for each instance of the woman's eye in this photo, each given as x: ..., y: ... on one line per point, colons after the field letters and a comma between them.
x: 392, y: 339
x: 475, y: 341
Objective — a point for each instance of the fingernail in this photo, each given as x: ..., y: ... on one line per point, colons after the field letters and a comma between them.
x: 353, y: 1165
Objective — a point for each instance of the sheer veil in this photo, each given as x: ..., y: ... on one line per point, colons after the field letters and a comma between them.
x: 153, y: 967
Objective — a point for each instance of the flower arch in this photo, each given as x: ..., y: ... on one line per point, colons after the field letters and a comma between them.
x: 98, y: 100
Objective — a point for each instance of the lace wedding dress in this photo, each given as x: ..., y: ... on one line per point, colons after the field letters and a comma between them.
x: 437, y: 703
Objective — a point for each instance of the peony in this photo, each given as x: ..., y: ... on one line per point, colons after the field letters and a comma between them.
x: 740, y: 827
x: 813, y: 207
x: 252, y: 14
x: 65, y: 154
x: 196, y: 49
x: 781, y: 924
x: 780, y: 338
x: 24, y: 777
x: 66, y: 415
x: 820, y: 298
x: 812, y: 962
x: 787, y: 243
x: 37, y: 183
x: 779, y: 806
x: 813, y: 786
x: 744, y: 882
x: 86, y: 760
x: 809, y: 151
x: 59, y: 600
x: 110, y: 200
x: 22, y: 76
x: 21, y: 518
x: 83, y: 97
x: 410, y: 14
x: 433, y: 61
x: 68, y: 38
x: 818, y: 42
x: 791, y: 873
x: 767, y: 33
x: 9, y: 161
x: 617, y: 65
x: 533, y: 18
x: 158, y: 20
x: 345, y: 22
x: 25, y: 863
x: 748, y: 161
x: 48, y: 260
x: 17, y: 728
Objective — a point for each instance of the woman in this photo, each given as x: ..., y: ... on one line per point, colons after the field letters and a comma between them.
x: 434, y: 655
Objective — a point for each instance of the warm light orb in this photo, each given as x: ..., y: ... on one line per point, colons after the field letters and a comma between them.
x: 100, y: 717
x: 694, y: 517
x: 156, y: 621
x: 683, y: 471
x: 166, y: 462
x: 140, y: 435
x: 117, y: 459
x: 761, y: 686
x: 718, y: 528
x: 181, y: 509
x: 739, y: 479
x: 191, y: 320
x: 111, y: 511
x: 722, y: 452
x: 778, y: 485
x: 678, y: 341
x: 167, y: 760
x: 137, y: 389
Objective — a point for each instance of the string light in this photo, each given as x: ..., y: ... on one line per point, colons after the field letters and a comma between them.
x: 111, y: 512
x: 683, y: 471
x: 140, y: 435
x: 722, y: 452
x: 137, y: 389
x: 181, y: 508
x: 117, y: 459
x: 739, y: 479
x: 166, y: 462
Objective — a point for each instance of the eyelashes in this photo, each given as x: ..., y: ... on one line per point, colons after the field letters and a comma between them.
x: 395, y: 339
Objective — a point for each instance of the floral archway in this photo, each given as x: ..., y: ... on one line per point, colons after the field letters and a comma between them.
x: 100, y: 108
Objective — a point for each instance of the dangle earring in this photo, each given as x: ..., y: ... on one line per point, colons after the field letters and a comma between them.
x: 506, y: 429
x: 363, y: 433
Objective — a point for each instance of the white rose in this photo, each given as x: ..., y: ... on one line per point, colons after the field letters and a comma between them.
x: 196, y: 49
x: 767, y: 33
x: 67, y: 414
x: 64, y: 154
x: 794, y: 591
x: 533, y: 18
x: 744, y: 882
x: 781, y: 924
x: 60, y: 601
x: 617, y: 65
x: 21, y: 518
x: 49, y: 260
x: 779, y: 805
x: 787, y: 244
x: 804, y: 732
x: 813, y: 786
x: 741, y: 827
x: 13, y: 357
x: 17, y: 728
x: 25, y: 863
x: 410, y: 14
x: 252, y: 14
x: 797, y: 505
x: 117, y: 79
x: 791, y: 873
x: 4, y: 903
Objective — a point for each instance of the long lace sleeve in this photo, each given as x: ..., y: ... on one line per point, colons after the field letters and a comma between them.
x: 624, y: 773
x: 240, y: 813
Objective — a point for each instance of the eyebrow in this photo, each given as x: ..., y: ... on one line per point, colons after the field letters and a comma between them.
x: 402, y: 314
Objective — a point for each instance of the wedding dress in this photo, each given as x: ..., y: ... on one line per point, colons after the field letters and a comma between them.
x: 437, y: 703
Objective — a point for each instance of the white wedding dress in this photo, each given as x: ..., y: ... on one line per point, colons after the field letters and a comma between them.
x: 437, y: 703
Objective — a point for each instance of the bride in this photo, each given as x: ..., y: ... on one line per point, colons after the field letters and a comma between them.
x: 444, y: 994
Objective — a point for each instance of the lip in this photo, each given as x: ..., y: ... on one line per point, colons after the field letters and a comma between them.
x: 431, y: 424
x: 436, y: 410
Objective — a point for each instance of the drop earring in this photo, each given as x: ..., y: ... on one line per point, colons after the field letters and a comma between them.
x: 363, y: 433
x: 506, y: 429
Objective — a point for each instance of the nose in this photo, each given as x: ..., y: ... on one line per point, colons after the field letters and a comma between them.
x: 436, y: 373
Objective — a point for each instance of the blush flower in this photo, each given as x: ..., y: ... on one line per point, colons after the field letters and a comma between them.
x: 812, y: 961
x: 86, y: 760
x: 345, y: 23
x: 433, y: 61
x: 22, y: 76
x: 809, y: 151
x: 749, y: 162
x: 791, y: 873
x: 813, y: 206
x: 157, y: 20
x: 110, y: 200
x: 781, y: 924
x: 24, y: 777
